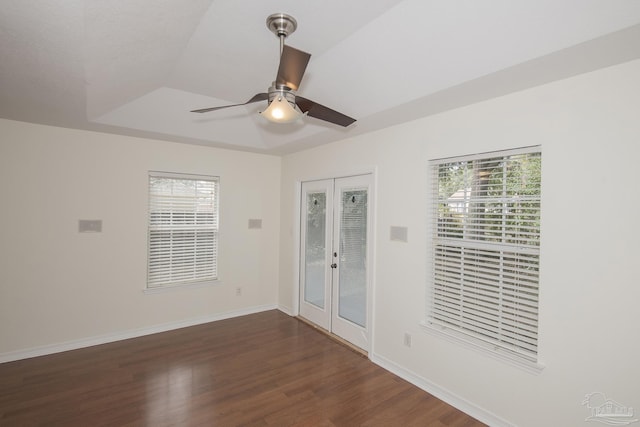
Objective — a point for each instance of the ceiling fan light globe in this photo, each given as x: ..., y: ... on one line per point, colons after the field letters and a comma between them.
x: 281, y: 111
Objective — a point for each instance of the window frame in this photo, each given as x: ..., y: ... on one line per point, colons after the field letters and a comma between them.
x: 434, y: 321
x: 206, y: 272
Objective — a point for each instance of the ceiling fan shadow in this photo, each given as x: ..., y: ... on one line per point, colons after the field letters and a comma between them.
x: 239, y: 115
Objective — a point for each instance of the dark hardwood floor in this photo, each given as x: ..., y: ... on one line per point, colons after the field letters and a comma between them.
x: 265, y: 369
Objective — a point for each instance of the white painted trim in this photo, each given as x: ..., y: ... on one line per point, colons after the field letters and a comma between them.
x: 287, y: 310
x: 297, y: 223
x: 484, y: 348
x: 133, y: 333
x: 441, y: 393
x: 374, y: 261
x: 171, y: 288
x: 365, y: 170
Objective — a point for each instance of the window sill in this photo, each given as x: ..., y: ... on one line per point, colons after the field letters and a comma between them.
x: 483, y: 348
x: 171, y: 288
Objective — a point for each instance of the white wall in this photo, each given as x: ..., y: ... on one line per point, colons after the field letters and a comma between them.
x: 589, y: 130
x: 60, y: 287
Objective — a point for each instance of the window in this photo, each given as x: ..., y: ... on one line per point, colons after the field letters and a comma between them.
x: 485, y: 250
x: 183, y: 229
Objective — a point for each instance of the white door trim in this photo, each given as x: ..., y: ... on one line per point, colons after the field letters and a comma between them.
x: 297, y: 215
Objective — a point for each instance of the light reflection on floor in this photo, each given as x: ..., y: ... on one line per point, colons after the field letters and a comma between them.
x: 169, y: 395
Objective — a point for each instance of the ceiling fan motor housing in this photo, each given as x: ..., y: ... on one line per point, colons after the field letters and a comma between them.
x: 281, y: 92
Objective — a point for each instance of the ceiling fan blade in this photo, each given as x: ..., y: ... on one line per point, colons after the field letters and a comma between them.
x: 313, y: 109
x: 256, y: 98
x: 293, y: 62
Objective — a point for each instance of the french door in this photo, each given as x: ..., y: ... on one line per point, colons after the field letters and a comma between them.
x: 335, y: 256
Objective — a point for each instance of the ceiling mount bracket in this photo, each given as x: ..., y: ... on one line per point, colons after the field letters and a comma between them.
x: 281, y: 24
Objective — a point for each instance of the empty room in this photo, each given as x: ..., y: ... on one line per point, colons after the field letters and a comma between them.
x: 286, y: 213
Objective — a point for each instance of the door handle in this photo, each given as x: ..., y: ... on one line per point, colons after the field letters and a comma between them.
x: 334, y: 265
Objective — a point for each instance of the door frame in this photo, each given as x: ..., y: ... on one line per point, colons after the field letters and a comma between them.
x: 371, y: 230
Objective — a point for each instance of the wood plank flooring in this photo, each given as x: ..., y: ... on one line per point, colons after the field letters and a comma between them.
x: 265, y: 369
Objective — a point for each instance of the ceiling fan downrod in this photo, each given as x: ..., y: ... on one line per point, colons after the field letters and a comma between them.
x: 282, y: 25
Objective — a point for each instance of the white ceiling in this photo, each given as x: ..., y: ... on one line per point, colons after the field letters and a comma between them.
x: 136, y: 67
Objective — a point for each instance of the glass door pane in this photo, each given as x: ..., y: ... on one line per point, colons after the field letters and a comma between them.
x: 316, y: 218
x: 315, y: 249
x: 352, y: 304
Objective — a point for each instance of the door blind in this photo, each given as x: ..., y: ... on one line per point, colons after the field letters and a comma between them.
x: 486, y: 244
x: 183, y: 229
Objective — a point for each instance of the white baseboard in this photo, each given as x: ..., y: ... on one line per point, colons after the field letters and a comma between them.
x: 445, y: 395
x: 286, y: 310
x: 133, y: 333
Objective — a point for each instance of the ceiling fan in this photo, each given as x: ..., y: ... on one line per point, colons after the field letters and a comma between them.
x: 284, y: 106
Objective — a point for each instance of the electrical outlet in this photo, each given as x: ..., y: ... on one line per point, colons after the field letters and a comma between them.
x: 407, y: 339
x: 238, y: 292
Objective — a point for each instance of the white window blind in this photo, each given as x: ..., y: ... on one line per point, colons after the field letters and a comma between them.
x: 486, y: 245
x: 183, y: 229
